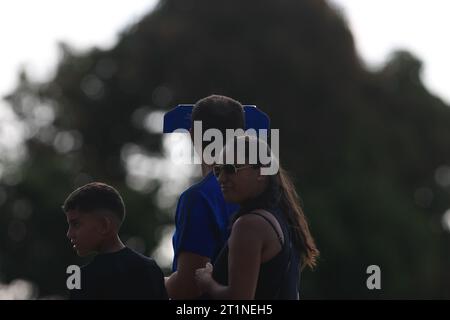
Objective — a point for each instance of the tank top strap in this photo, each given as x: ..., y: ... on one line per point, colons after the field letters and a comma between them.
x: 259, y: 212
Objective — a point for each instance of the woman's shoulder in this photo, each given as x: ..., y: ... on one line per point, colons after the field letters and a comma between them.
x: 259, y: 216
x: 269, y: 220
x: 247, y: 234
x: 247, y: 222
x: 259, y: 220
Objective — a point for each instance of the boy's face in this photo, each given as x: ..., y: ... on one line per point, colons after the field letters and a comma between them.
x: 85, y: 231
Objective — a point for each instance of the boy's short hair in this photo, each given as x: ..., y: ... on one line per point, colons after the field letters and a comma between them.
x: 219, y: 112
x: 96, y: 196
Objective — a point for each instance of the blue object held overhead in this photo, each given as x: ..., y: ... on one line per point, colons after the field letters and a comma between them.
x: 180, y: 118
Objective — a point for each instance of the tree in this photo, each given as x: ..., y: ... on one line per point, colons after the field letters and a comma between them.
x: 362, y: 146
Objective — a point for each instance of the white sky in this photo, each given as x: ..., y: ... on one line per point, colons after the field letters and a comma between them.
x: 420, y: 26
x: 29, y: 30
x: 29, y: 33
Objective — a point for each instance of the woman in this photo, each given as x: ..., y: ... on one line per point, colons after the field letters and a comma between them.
x: 270, y: 240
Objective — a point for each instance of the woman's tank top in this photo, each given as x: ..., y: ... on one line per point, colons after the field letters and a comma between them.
x: 278, y: 277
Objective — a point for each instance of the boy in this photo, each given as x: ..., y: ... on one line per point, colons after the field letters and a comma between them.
x: 95, y: 213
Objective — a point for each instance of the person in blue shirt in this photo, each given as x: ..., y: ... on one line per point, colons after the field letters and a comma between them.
x: 202, y: 216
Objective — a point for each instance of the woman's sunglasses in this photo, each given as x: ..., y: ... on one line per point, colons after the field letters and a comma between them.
x: 228, y: 169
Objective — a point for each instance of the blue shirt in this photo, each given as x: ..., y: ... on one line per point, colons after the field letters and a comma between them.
x: 202, y: 220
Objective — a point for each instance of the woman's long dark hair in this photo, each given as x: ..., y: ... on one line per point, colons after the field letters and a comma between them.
x: 280, y: 193
x: 290, y: 206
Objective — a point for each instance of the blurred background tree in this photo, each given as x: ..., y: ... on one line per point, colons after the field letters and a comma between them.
x: 368, y: 150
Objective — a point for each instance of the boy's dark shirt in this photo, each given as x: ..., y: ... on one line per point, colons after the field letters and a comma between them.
x: 124, y: 274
